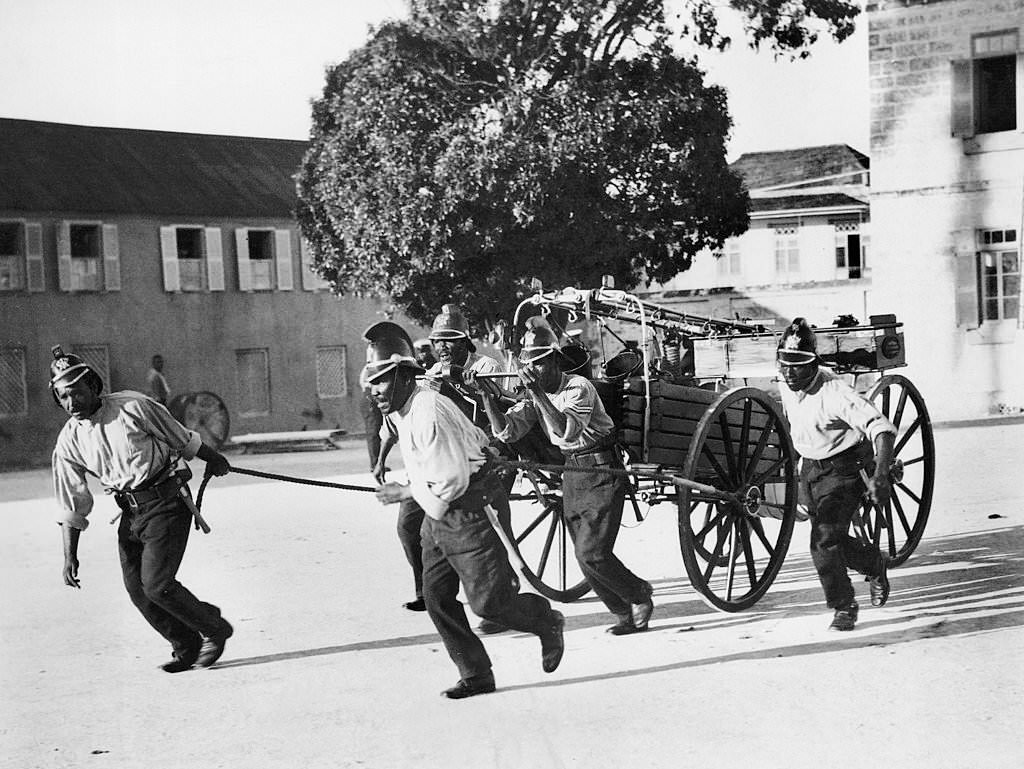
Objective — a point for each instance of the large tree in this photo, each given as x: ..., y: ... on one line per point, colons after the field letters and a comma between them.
x: 478, y: 144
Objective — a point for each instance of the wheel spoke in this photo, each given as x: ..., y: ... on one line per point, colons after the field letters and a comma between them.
x: 900, y: 406
x: 716, y: 554
x: 548, y: 510
x: 906, y: 437
x: 734, y: 554
x: 762, y: 444
x: 546, y: 551
x: 909, y: 493
x: 741, y: 457
x: 722, y: 474
x: 758, y: 528
x: 902, y: 515
x: 769, y: 472
x: 730, y: 457
x: 748, y: 554
x: 710, y: 522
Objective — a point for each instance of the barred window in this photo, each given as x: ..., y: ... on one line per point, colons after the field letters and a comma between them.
x: 331, y: 363
x: 13, y: 391
x: 253, y: 379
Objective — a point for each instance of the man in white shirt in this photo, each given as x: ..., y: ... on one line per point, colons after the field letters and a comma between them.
x: 838, y: 433
x: 131, y: 445
x: 156, y: 382
x: 451, y: 479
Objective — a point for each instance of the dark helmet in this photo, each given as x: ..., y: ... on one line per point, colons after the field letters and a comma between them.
x: 799, y: 345
x: 390, y: 346
x: 539, y: 341
x: 451, y: 324
x: 68, y: 368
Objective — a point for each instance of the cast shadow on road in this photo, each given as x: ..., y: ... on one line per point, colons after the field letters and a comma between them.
x: 956, y: 585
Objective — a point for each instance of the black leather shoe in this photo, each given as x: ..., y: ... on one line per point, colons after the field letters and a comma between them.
x: 490, y: 627
x: 642, y: 613
x: 845, y: 617
x: 470, y: 687
x: 213, y: 646
x: 624, y: 626
x: 181, y: 662
x: 879, y: 585
x: 552, y: 644
x: 418, y: 605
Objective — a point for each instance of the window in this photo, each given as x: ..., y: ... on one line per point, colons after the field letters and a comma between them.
x: 88, y: 257
x: 787, y: 249
x: 253, y: 379
x: 849, y: 248
x: 264, y: 259
x: 12, y: 257
x: 999, y: 269
x: 331, y: 363
x: 98, y: 358
x: 985, y: 87
x: 728, y: 262
x: 192, y: 258
x: 13, y: 392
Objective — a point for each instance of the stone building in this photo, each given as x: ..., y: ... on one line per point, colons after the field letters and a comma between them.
x: 947, y: 195
x: 120, y: 244
x: 806, y: 251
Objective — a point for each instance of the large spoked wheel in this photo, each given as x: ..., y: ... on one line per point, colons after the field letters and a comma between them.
x: 897, y: 527
x: 205, y: 413
x: 542, y: 540
x: 735, y: 536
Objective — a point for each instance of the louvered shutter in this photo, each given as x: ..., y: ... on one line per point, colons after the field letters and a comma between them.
x: 169, y: 256
x: 111, y: 258
x: 283, y: 257
x: 34, y: 257
x: 242, y: 253
x: 214, y: 259
x: 962, y: 107
x: 64, y: 256
x: 966, y: 274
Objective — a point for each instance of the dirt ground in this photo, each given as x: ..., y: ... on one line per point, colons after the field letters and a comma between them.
x: 327, y: 670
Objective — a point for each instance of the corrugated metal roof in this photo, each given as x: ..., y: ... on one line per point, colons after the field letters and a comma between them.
x: 768, y: 169
x: 792, y: 202
x: 60, y: 167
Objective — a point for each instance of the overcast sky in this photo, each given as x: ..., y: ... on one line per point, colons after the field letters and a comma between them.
x: 251, y: 68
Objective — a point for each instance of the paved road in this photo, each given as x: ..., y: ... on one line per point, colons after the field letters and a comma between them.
x: 327, y: 670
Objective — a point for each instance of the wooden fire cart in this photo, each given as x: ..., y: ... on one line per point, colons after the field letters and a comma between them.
x: 721, y: 454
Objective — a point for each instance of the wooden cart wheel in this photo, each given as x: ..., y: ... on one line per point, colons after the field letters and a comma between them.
x: 898, y: 526
x: 543, y: 541
x: 205, y: 413
x: 733, y: 548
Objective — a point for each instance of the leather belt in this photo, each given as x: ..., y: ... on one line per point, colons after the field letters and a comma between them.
x: 162, y: 490
x: 861, y: 452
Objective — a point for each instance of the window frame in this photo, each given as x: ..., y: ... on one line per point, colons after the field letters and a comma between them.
x: 241, y: 389
x: 966, y: 93
x: 996, y: 250
x: 13, y: 378
x: 790, y: 250
x: 322, y: 392
x: 212, y: 270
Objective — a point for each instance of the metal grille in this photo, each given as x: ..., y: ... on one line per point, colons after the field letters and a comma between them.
x: 330, y: 372
x: 13, y: 392
x: 98, y: 358
x: 253, y: 374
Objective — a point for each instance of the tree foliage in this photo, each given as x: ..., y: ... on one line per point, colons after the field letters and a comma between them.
x: 460, y: 153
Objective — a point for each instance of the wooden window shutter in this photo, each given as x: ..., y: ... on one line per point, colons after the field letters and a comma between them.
x: 169, y: 255
x: 242, y: 253
x: 968, y: 303
x: 34, y: 257
x: 111, y: 258
x: 309, y: 280
x: 214, y: 259
x: 64, y: 256
x: 962, y: 90
x: 283, y: 257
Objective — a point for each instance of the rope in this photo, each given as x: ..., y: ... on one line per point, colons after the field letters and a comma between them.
x: 276, y: 477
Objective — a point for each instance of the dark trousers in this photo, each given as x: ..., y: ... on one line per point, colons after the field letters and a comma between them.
x: 151, y: 542
x: 410, y: 523
x: 463, y: 547
x: 833, y: 490
x: 593, y: 511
